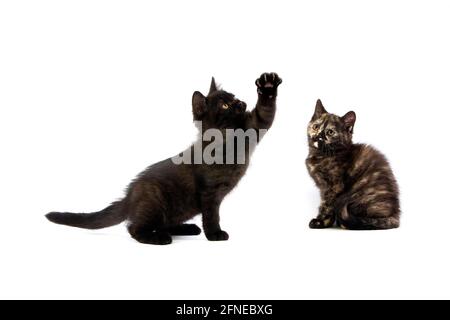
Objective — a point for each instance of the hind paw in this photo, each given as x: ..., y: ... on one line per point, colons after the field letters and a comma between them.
x: 155, y: 237
x: 186, y: 229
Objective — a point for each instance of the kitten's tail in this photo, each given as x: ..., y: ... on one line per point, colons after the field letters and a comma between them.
x: 348, y: 221
x: 110, y: 216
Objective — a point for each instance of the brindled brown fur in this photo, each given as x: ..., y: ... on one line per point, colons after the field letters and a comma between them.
x: 165, y: 195
x: 357, y: 186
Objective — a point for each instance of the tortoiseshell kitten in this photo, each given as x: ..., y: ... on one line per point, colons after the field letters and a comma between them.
x: 165, y: 195
x: 357, y: 186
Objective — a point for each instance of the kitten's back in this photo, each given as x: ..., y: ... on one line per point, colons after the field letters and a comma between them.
x: 373, y: 195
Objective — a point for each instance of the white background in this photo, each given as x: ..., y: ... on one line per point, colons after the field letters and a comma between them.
x: 91, y: 92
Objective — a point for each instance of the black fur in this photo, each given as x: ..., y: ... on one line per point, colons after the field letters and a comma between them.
x: 165, y: 195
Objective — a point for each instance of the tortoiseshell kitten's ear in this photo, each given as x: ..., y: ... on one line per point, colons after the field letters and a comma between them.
x: 319, y: 111
x: 198, y: 105
x: 349, y: 121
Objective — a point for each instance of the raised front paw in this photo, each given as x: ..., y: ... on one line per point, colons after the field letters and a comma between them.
x: 268, y: 83
x: 320, y: 223
x: 217, y: 236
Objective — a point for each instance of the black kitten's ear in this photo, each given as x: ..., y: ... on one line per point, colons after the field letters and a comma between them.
x: 349, y: 121
x: 213, y: 86
x: 320, y: 110
x: 198, y: 105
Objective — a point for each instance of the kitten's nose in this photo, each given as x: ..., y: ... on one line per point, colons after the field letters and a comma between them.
x: 322, y: 136
x: 241, y: 105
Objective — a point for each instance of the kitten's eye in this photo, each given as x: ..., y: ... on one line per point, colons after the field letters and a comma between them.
x: 315, y: 127
x: 330, y: 132
x: 225, y: 106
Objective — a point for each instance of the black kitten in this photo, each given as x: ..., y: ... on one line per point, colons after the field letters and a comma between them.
x: 165, y: 195
x: 356, y: 183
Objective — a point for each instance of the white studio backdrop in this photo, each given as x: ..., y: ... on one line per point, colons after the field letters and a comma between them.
x: 92, y: 92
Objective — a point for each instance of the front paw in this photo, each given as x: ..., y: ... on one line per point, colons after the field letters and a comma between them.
x: 268, y: 83
x: 217, y: 236
x: 318, y: 224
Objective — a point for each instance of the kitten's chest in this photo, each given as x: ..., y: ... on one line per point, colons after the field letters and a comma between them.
x: 223, y: 178
x: 325, y: 171
x: 220, y: 178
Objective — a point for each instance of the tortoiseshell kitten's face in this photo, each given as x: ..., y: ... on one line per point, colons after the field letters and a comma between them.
x: 220, y: 109
x: 329, y: 133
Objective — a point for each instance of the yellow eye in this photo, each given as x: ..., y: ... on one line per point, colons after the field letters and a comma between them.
x: 225, y: 106
x: 315, y: 127
x: 330, y: 132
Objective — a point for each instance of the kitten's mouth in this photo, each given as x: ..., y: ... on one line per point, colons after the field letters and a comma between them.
x: 318, y: 143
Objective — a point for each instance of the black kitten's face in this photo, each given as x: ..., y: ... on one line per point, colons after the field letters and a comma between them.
x: 223, y: 109
x: 329, y: 133
x: 220, y: 109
